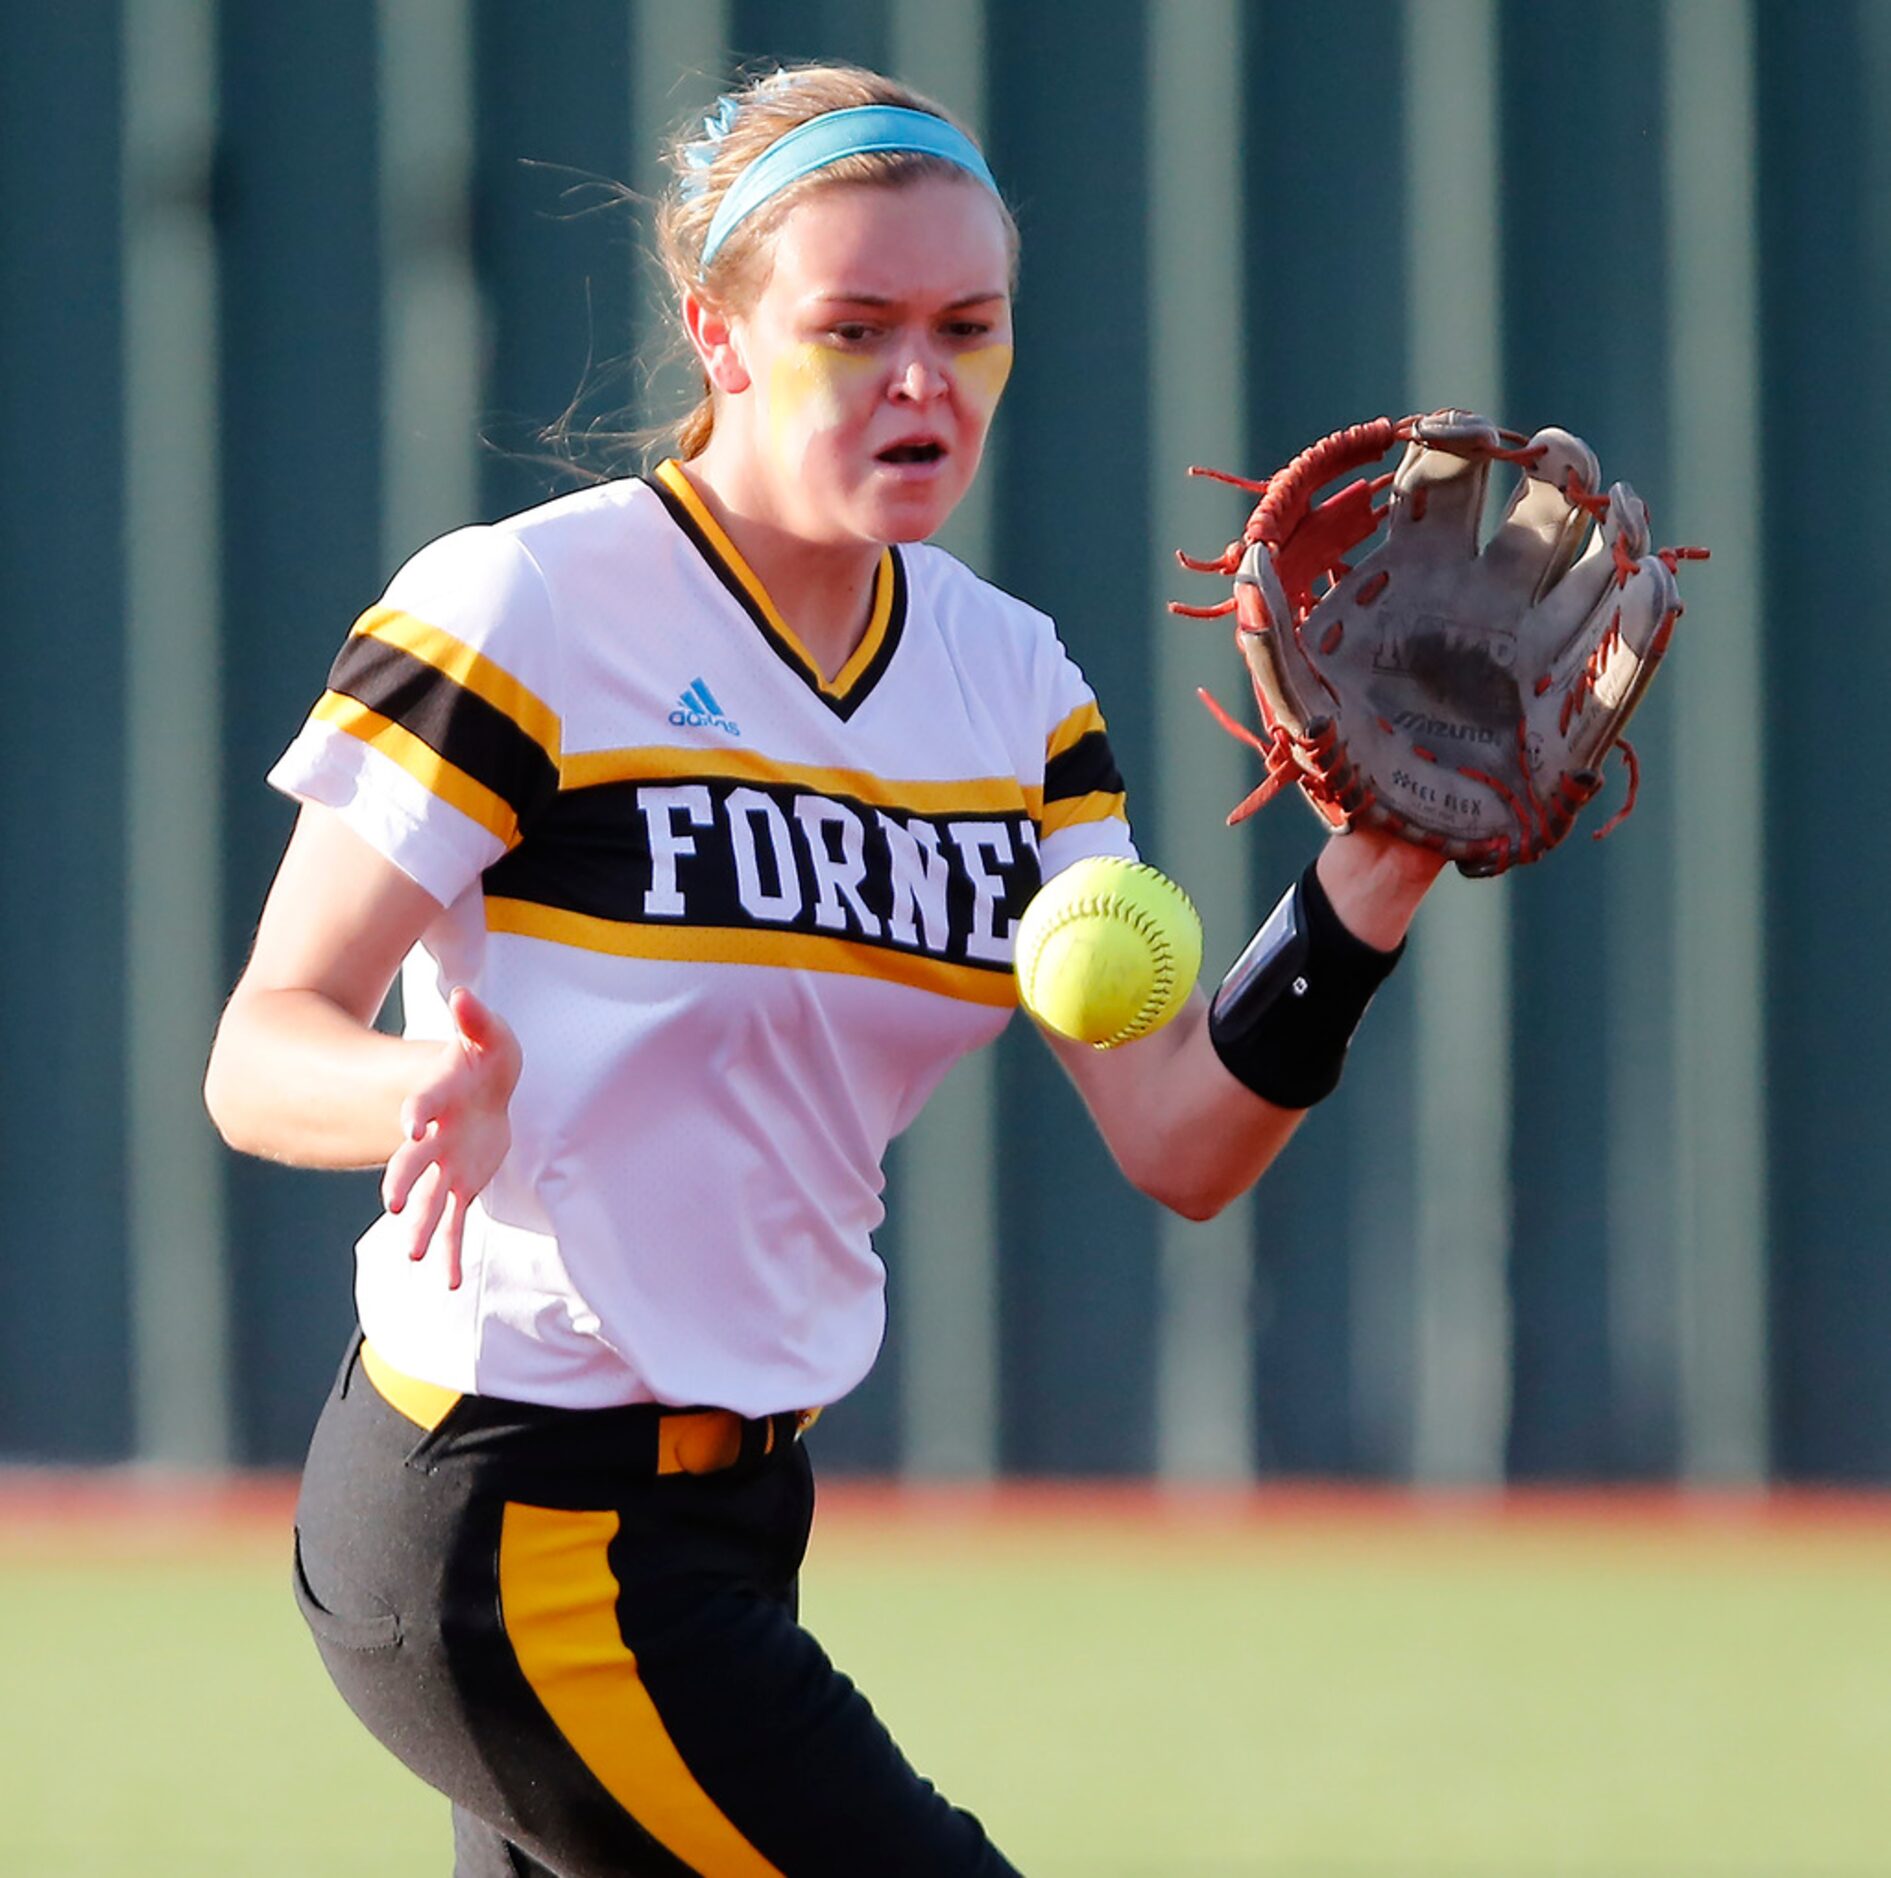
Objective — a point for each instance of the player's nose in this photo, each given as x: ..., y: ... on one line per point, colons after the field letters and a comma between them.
x: 918, y: 381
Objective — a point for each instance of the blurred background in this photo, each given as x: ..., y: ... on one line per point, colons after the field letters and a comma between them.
x: 290, y: 289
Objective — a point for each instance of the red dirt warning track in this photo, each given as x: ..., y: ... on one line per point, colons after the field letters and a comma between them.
x: 87, y: 1513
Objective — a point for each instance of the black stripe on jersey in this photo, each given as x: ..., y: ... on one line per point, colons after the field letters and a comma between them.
x: 461, y: 726
x: 716, y: 852
x: 1088, y: 767
x: 861, y: 689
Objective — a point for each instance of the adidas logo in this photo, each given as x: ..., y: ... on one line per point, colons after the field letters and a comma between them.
x: 697, y: 709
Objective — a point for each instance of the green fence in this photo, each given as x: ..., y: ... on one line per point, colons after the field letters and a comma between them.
x: 289, y: 289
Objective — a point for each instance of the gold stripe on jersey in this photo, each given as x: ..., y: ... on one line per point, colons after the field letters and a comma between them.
x: 749, y: 945
x: 878, y: 618
x: 1079, y: 724
x: 421, y: 761
x: 885, y: 580
x: 973, y: 795
x: 468, y: 668
x: 1099, y: 806
x: 558, y: 1603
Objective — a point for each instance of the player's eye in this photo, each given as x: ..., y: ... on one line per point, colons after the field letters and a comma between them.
x: 967, y: 330
x: 851, y: 332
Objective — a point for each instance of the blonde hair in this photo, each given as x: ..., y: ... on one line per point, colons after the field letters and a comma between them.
x: 704, y: 169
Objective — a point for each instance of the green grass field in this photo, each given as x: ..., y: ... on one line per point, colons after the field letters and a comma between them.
x: 1318, y: 1688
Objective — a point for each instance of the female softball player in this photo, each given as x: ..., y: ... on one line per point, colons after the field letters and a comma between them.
x: 700, y: 808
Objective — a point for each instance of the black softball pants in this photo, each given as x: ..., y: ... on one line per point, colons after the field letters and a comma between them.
x: 591, y: 1650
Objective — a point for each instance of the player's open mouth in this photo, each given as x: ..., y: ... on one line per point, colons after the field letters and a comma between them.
x: 926, y: 452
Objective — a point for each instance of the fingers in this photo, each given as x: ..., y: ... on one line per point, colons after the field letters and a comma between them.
x: 486, y: 1042
x: 473, y: 1020
x: 423, y: 1208
x: 432, y: 1210
x: 455, y: 1133
x: 404, y: 1167
x: 478, y: 1066
x: 452, y: 1238
x: 1545, y: 522
x: 419, y: 1113
x: 429, y: 1105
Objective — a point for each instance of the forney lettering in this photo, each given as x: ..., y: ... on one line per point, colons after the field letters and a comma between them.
x: 881, y: 879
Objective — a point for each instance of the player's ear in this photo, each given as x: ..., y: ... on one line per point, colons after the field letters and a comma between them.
x: 712, y: 333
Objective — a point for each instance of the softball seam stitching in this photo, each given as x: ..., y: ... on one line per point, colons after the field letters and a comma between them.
x: 1140, y: 922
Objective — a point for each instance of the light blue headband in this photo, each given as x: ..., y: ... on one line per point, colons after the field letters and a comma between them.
x: 860, y: 131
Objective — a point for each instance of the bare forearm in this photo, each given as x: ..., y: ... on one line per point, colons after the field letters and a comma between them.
x: 1183, y: 1130
x: 1216, y: 1138
x: 1375, y: 883
x: 1224, y: 1134
x: 295, y: 1078
x: 1187, y: 1128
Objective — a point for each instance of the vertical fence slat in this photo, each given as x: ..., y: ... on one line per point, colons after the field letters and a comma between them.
x: 64, y: 1291
x: 1078, y: 1276
x: 1460, y: 948
x: 1204, y: 1394
x: 1325, y: 337
x: 677, y: 54
x: 1720, y: 1171
x: 299, y: 429
x: 430, y: 320
x: 942, y: 1182
x: 180, y: 1306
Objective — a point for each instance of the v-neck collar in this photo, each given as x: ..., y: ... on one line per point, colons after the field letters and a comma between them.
x: 848, y: 689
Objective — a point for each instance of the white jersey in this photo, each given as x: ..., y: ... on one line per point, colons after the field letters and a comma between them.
x: 743, y: 920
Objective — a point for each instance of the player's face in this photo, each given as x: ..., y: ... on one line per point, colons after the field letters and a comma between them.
x: 876, y: 354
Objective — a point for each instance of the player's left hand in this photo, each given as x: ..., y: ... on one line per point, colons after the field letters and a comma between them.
x: 455, y: 1132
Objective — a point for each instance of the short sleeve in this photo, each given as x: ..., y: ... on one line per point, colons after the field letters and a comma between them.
x: 438, y: 736
x: 1085, y: 805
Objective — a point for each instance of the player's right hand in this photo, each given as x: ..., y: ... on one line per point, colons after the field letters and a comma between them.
x: 455, y: 1132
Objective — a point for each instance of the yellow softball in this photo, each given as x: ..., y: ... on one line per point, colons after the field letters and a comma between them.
x: 1108, y: 951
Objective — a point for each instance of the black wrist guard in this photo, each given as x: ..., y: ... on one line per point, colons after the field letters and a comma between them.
x: 1288, y: 1008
